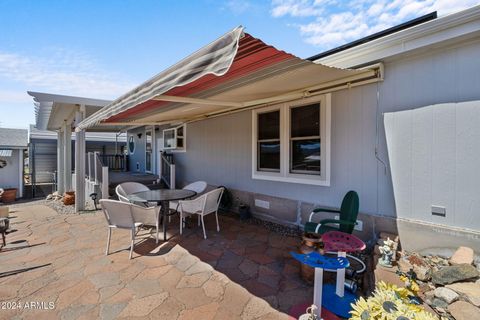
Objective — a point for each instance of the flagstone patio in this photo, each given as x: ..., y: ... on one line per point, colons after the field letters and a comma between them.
x: 242, y: 272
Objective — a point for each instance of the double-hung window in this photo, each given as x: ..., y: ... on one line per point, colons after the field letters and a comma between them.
x: 292, y: 142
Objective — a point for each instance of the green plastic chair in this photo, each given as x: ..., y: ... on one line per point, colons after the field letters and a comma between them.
x: 348, y: 217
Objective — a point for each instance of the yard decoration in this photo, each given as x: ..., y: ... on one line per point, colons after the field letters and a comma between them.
x: 69, y: 198
x: 320, y: 262
x: 389, y: 302
x: 387, y: 253
x: 337, y: 300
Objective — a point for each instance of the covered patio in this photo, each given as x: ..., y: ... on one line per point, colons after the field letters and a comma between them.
x: 242, y: 272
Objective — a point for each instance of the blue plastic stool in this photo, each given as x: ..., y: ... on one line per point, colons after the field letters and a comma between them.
x: 319, y: 262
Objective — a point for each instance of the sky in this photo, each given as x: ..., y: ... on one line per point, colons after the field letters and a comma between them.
x: 101, y: 49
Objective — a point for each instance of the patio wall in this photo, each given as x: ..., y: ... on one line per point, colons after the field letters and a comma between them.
x: 219, y: 149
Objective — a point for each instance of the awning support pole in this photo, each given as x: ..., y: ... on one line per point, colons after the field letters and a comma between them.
x: 79, y: 164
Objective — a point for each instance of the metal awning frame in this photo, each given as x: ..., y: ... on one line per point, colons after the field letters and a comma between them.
x: 371, y: 74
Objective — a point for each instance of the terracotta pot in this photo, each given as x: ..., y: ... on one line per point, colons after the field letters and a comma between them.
x: 9, y: 195
x: 310, y: 243
x: 69, y: 198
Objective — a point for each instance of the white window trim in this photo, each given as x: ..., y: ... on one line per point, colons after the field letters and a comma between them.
x: 150, y: 129
x: 284, y: 175
x: 174, y: 149
x: 184, y: 149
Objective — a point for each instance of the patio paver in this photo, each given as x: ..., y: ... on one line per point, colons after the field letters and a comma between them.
x: 242, y: 272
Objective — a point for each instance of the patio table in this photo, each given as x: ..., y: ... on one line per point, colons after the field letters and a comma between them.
x: 162, y: 197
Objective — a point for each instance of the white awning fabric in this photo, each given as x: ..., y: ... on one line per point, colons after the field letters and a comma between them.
x: 216, y: 58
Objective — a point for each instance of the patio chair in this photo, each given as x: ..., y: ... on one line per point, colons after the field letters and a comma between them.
x: 198, y: 186
x: 203, y: 205
x: 122, y: 215
x: 347, y: 217
x: 126, y: 188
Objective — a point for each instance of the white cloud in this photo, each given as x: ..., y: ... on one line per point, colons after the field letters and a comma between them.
x: 329, y: 23
x: 58, y: 71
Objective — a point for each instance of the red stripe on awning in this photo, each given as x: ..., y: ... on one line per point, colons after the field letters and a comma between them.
x: 252, y: 55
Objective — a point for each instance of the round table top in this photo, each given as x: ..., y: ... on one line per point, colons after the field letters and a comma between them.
x: 161, y: 195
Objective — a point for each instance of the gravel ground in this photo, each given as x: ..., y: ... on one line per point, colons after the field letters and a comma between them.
x: 56, y: 205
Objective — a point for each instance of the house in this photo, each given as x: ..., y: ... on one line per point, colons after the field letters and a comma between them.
x: 42, y: 156
x: 394, y: 117
x: 13, y: 147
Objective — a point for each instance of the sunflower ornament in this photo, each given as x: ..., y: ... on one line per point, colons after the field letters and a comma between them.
x: 389, y: 302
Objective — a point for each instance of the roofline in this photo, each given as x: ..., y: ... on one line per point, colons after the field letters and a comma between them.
x: 58, y: 98
x: 458, y: 26
x: 380, y: 34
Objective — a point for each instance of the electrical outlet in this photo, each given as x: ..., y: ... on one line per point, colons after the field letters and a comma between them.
x: 358, y: 226
x: 262, y: 204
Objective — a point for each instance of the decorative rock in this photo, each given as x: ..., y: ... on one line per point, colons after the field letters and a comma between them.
x: 469, y: 289
x: 453, y: 274
x: 446, y: 294
x: 428, y: 296
x: 424, y: 273
x: 462, y: 255
x: 404, y: 266
x: 439, y: 304
x: 462, y: 310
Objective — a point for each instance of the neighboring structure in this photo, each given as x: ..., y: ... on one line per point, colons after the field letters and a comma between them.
x: 60, y: 113
x: 13, y: 144
x: 285, y: 134
x: 43, y: 156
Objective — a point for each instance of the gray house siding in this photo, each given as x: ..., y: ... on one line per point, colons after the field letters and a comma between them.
x: 219, y: 150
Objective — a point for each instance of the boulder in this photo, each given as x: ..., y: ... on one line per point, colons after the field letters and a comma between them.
x: 470, y: 290
x: 447, y: 295
x: 462, y: 310
x: 462, y: 255
x: 453, y: 274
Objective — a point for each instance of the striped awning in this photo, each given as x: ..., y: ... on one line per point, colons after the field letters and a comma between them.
x: 5, y: 152
x: 235, y: 71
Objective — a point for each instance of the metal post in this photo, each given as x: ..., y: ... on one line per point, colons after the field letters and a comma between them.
x: 79, y: 166
x: 317, y: 291
x: 105, y: 183
x: 67, y: 147
x: 340, y: 290
x: 60, y: 150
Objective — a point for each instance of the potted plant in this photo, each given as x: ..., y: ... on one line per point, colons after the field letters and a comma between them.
x: 9, y: 195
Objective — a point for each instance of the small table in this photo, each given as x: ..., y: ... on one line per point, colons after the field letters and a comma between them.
x: 162, y: 197
x: 320, y: 262
x: 340, y: 242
